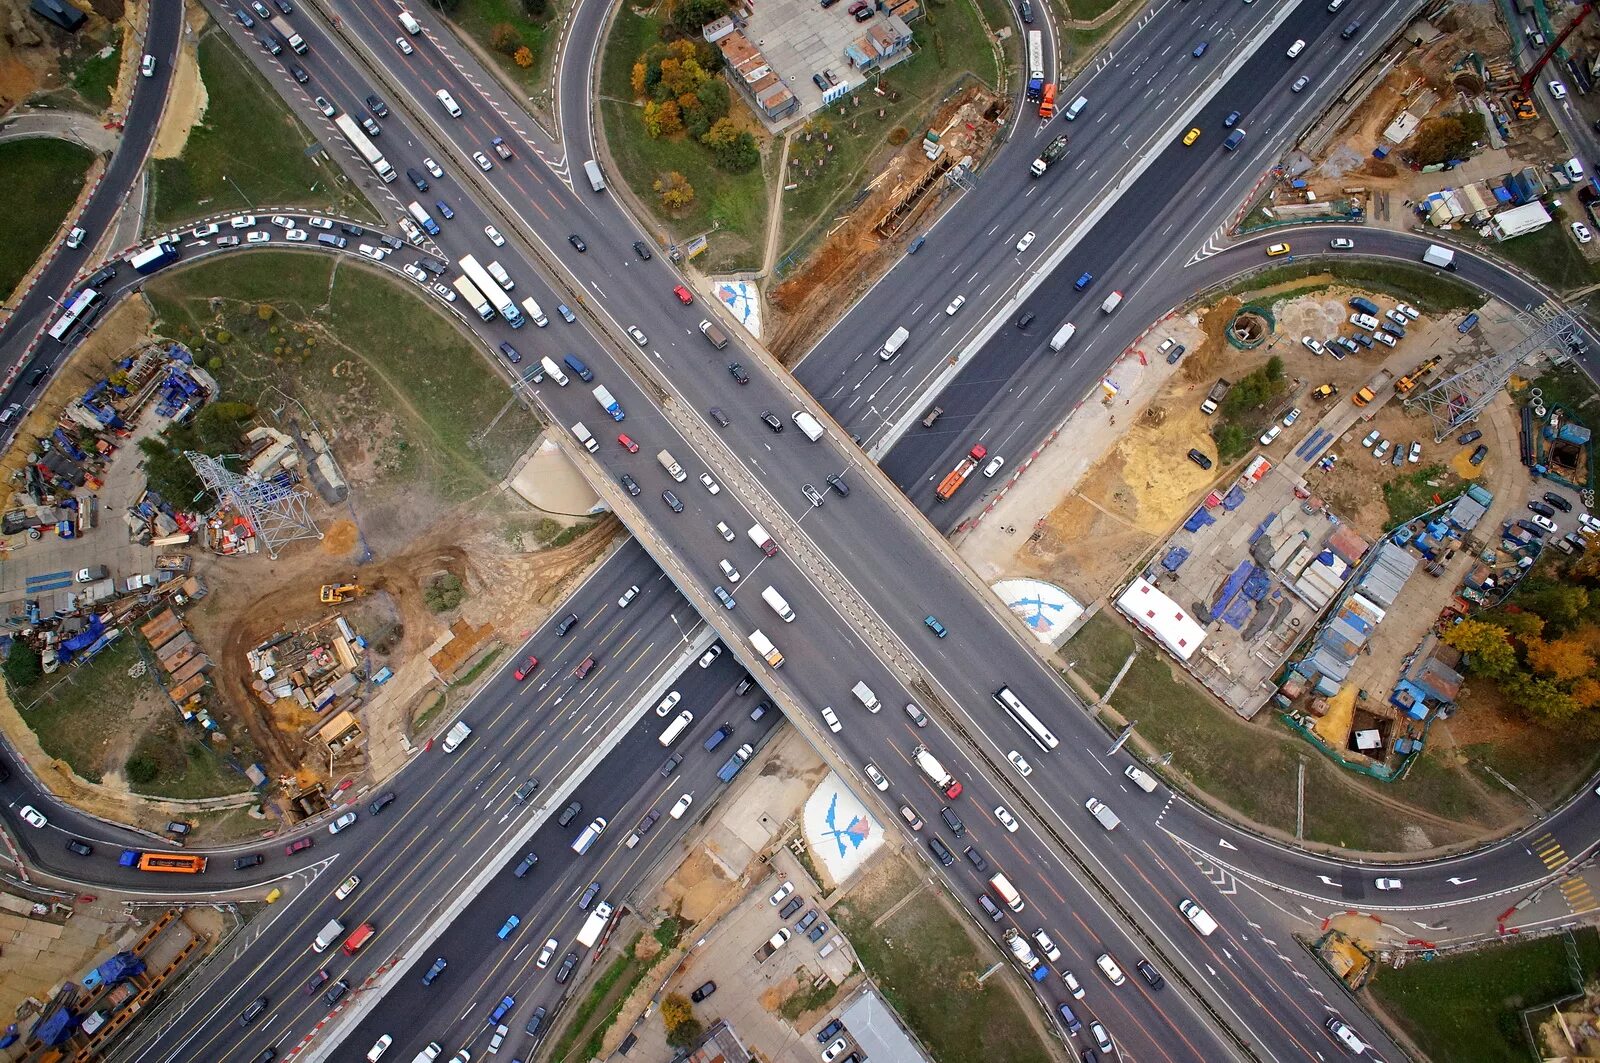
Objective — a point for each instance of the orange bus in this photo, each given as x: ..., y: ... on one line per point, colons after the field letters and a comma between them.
x: 1047, y: 102
x: 176, y: 863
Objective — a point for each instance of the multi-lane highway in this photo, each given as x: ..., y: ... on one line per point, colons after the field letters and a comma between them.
x: 861, y: 571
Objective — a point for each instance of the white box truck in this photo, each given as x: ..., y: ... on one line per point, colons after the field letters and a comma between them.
x: 597, y: 181
x: 868, y: 699
x: 535, y: 315
x: 1101, y: 812
x: 767, y: 650
x: 759, y: 536
x: 592, y: 927
x: 779, y: 605
x: 458, y: 734
x: 327, y: 936
x: 808, y: 424
x: 669, y: 463
x: 1113, y: 301
x: 891, y: 346
x: 583, y: 435
x: 1442, y: 257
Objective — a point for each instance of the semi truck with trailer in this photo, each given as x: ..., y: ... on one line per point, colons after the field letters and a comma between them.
x: 765, y: 647
x: 492, y: 291
x: 1052, y: 153
x: 948, y: 784
x: 474, y: 298
x: 365, y: 147
x: 958, y: 475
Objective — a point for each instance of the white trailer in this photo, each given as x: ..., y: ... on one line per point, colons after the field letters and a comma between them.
x: 364, y: 147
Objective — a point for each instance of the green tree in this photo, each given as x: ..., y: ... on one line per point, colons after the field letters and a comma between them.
x: 1562, y: 605
x: 141, y: 770
x: 1440, y: 140
x: 690, y: 15
x: 1540, y: 698
x: 22, y: 667
x: 713, y: 96
x: 535, y: 9
x: 1232, y: 441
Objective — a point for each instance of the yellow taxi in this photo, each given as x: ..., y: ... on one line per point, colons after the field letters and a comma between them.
x: 1274, y: 250
x: 1191, y: 136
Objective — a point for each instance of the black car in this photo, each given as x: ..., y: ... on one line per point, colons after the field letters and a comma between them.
x: 526, y: 790
x: 432, y: 265
x: 378, y: 107
x: 244, y: 18
x: 718, y: 416
x: 336, y: 992
x: 393, y: 243
x: 1026, y: 319
x: 1199, y: 458
x: 1149, y: 974
x: 567, y: 964
x: 317, y: 981
x: 248, y: 860
x: 1469, y: 437
x: 1531, y: 528
x: 817, y: 932
x: 570, y: 813
x: 298, y: 74
x: 673, y: 502
x: 588, y: 896
x: 828, y: 1031
x: 671, y: 765
x: 836, y: 482
x: 535, y: 1022
x: 704, y: 991
x: 805, y: 923
x: 416, y: 178
x: 790, y: 908
x: 1541, y: 509
x: 820, y: 82
x: 771, y: 420
x: 952, y: 821
x: 1027, y: 12
x: 253, y: 1012
x: 81, y: 848
x: 284, y: 6
x: 745, y: 685
x: 352, y: 230
x: 435, y: 971
x: 738, y: 373
x: 1174, y: 354
x: 513, y: 355
x: 1479, y: 454
x: 526, y: 865
x: 1556, y: 500
x: 631, y: 484
x: 642, y: 249
x: 577, y: 241
x: 381, y: 802
x: 647, y: 821
x: 976, y: 859
x: 270, y: 43
x: 566, y: 625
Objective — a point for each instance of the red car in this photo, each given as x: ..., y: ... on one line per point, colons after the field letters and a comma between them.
x: 683, y: 294
x: 298, y: 846
x: 628, y: 444
x: 527, y: 668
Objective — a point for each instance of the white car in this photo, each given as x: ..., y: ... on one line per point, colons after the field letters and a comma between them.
x: 637, y: 336
x: 415, y: 272
x: 1024, y: 769
x: 1384, y: 338
x: 1007, y: 820
x: 728, y: 570
x: 494, y: 236
x: 994, y: 466
x: 377, y: 254
x: 1046, y: 946
x: 547, y: 953
x: 281, y: 222
x: 380, y: 1046
x: 832, y: 1052
x: 1408, y: 310
x: 347, y: 887
x: 668, y: 703
x: 1387, y: 883
x: 876, y: 776
x: 710, y: 484
x: 1102, y: 1040
x: 782, y: 893
x: 341, y: 823
x: 1073, y: 985
x: 75, y: 237
x: 1314, y: 346
x: 497, y: 1039
x: 404, y: 45
x: 628, y: 596
x: 725, y: 531
x: 831, y: 718
x: 259, y: 236
x: 1581, y: 231
x: 1109, y: 968
x: 326, y: 107
x: 445, y: 292
x: 1542, y: 521
x: 205, y: 231
x: 1397, y: 317
x: 1381, y: 450
x: 955, y: 304
x: 241, y: 221
x: 1291, y: 417
x: 483, y: 161
x: 32, y: 816
x: 1026, y: 241
x: 319, y: 223
x: 1558, y: 90
x: 1588, y: 523
x: 681, y: 806
x: 1341, y: 243
x: 297, y: 236
x: 1414, y: 454
x: 1370, y: 438
x: 709, y: 657
x: 147, y: 66
x: 1270, y: 434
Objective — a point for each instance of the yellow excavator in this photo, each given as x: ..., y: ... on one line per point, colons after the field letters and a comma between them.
x: 335, y: 593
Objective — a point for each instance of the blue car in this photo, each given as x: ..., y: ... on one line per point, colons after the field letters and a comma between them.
x: 508, y: 926
x: 444, y: 208
x: 512, y: 354
x: 435, y: 971
x: 1200, y: 49
x: 934, y: 626
x: 1233, y: 116
x: 1084, y: 281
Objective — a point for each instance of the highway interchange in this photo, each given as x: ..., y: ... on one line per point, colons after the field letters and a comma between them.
x: 845, y: 572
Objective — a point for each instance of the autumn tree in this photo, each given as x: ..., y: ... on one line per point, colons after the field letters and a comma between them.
x: 1488, y: 651
x: 504, y: 38
x: 523, y: 57
x: 677, y: 1014
x: 1564, y: 660
x: 1440, y: 140
x: 675, y: 191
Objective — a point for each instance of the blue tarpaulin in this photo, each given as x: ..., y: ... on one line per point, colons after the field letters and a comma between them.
x: 1200, y: 520
x: 68, y: 648
x: 1175, y: 557
x: 1231, y: 587
x: 1256, y: 587
x: 1238, y: 613
x: 1233, y: 499
x: 1261, y: 529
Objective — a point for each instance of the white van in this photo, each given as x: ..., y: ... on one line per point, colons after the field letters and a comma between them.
x: 1076, y: 107
x: 535, y: 315
x: 1574, y: 169
x: 892, y: 345
x: 590, y: 833
x: 864, y: 694
x: 1140, y: 778
x: 676, y: 728
x: 553, y: 371
x: 1063, y: 334
x: 412, y: 26
x: 1198, y: 917
x: 449, y: 102
x: 779, y: 604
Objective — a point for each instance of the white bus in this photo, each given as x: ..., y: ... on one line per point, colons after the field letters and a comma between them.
x: 1035, y: 55
x: 1025, y: 719
x: 364, y: 147
x: 676, y: 728
x: 78, y: 312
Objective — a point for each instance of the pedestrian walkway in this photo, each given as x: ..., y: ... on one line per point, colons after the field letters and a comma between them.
x: 82, y: 129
